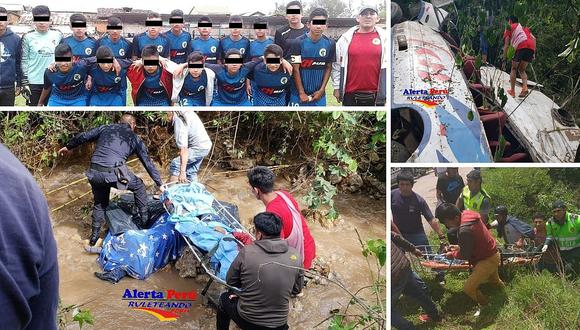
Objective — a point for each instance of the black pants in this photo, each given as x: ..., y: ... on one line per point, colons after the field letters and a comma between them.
x: 359, y: 99
x: 101, y: 184
x: 7, y: 96
x: 35, y: 91
x: 228, y: 310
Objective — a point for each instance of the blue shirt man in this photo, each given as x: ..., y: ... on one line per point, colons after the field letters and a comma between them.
x: 67, y: 88
x: 193, y: 91
x: 82, y: 45
x: 208, y: 47
x: 269, y: 87
x: 10, y: 57
x: 179, y: 40
x: 28, y: 255
x: 231, y: 87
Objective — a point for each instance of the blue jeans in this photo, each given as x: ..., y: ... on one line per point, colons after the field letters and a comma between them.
x: 410, y: 285
x: 421, y: 239
x: 194, y: 159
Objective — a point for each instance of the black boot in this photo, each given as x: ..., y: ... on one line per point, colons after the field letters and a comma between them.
x: 94, y: 236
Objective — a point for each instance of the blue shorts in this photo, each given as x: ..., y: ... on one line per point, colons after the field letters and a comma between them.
x: 295, y: 102
x: 243, y: 103
x: 54, y: 101
x: 106, y: 99
x: 195, y: 158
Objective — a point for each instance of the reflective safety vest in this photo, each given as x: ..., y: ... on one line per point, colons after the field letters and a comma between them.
x: 473, y: 203
x: 568, y: 234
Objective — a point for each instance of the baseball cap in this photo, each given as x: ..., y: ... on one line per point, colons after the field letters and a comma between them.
x: 474, y: 175
x: 78, y: 18
x: 366, y: 8
x: 176, y: 13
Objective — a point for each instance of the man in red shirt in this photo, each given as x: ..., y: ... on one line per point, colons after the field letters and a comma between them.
x: 294, y: 227
x: 359, y: 75
x: 524, y: 42
x: 475, y: 245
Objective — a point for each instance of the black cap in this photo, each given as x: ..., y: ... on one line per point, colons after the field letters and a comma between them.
x: 176, y: 13
x: 474, y: 175
x: 558, y: 204
x: 500, y: 209
x: 3, y: 10
x: 40, y: 11
x: 78, y: 18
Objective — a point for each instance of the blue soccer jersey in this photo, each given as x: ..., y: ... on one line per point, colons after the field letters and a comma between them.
x: 121, y: 48
x: 67, y: 88
x: 269, y: 88
x: 81, y: 49
x: 313, y: 58
x: 243, y: 45
x: 107, y: 87
x: 193, y: 91
x: 257, y: 47
x: 180, y: 46
x: 208, y: 48
x: 231, y: 90
x: 142, y: 39
x: 152, y: 92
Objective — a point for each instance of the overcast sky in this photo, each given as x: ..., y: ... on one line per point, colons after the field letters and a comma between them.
x: 233, y: 6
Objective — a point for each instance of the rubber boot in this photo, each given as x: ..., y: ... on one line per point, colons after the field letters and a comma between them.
x: 94, y: 236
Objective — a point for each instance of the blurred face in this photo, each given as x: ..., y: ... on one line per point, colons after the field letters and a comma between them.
x: 115, y: 34
x: 42, y: 26
x: 79, y: 32
x: 451, y: 171
x: 316, y: 29
x: 196, y: 72
x: 234, y: 68
x: 151, y: 68
x: 539, y: 224
x: 204, y: 31
x: 260, y: 33
x: 474, y: 185
x: 559, y: 214
x: 3, y: 24
x: 177, y: 27
x: 501, y: 218
x: 154, y: 31
x: 406, y: 188
x: 106, y: 66
x: 65, y: 67
x: 368, y: 19
x: 235, y: 32
x: 272, y: 67
x: 294, y: 19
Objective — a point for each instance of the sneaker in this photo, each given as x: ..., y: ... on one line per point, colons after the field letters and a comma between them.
x: 477, y: 313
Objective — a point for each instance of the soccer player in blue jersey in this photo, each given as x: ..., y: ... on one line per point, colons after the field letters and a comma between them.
x: 235, y: 40
x: 179, y: 40
x: 66, y: 85
x: 107, y: 81
x: 269, y: 79
x: 258, y: 45
x: 81, y: 44
x: 120, y: 46
x: 193, y: 84
x: 152, y: 36
x: 205, y: 43
x: 151, y: 85
x: 312, y: 56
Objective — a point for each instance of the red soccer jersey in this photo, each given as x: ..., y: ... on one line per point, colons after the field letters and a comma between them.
x: 364, y: 63
x: 524, y: 33
x: 279, y: 207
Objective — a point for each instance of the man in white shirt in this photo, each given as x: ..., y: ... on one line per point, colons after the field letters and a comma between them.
x: 193, y: 143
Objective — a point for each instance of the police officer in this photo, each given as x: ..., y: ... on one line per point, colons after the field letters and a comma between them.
x: 474, y: 197
x: 564, y: 230
x: 114, y: 144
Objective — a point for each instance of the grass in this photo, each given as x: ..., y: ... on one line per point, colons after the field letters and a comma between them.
x: 330, y: 99
x: 529, y: 301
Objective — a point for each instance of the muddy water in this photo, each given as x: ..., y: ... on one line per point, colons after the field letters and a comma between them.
x: 338, y: 246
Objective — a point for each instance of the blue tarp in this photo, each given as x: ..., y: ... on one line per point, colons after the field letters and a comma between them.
x: 195, y: 214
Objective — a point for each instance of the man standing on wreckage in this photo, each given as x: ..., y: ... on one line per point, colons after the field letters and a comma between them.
x: 115, y: 143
